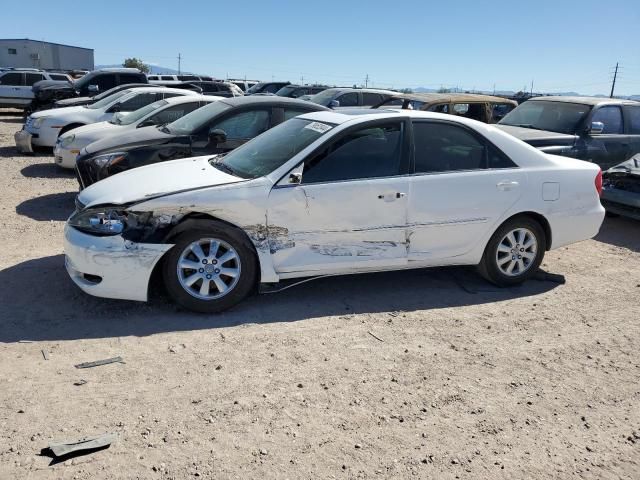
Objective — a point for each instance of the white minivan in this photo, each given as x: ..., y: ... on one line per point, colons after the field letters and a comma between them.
x: 15, y: 85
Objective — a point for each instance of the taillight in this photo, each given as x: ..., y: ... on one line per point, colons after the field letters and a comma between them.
x: 598, y: 182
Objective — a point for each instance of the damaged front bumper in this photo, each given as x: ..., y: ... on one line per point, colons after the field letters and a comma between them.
x: 621, y: 189
x: 111, y: 266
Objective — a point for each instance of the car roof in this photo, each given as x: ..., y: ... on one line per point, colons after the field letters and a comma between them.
x: 365, y: 90
x: 357, y: 115
x: 584, y: 100
x: 271, y: 100
x: 191, y: 98
x: 453, y: 97
x: 162, y: 89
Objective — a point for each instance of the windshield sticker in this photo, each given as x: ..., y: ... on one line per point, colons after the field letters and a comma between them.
x: 318, y: 127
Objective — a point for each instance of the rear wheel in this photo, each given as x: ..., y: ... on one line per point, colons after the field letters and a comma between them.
x: 210, y: 270
x: 514, y: 252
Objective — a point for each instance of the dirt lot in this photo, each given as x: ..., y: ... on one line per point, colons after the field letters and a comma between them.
x: 422, y: 374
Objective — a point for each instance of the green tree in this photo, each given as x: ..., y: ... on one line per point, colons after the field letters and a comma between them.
x: 134, y: 62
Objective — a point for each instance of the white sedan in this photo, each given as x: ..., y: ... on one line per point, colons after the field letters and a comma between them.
x: 43, y: 128
x: 331, y: 193
x: 157, y: 113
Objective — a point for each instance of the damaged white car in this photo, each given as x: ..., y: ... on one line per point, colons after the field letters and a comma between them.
x: 331, y: 193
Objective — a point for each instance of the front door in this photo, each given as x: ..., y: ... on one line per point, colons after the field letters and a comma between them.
x: 349, y: 211
x: 610, y: 147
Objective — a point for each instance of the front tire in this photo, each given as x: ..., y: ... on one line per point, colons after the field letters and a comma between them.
x: 210, y: 270
x: 514, y: 252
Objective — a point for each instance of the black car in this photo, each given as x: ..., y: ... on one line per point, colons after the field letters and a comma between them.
x: 266, y: 88
x: 47, y: 92
x: 297, y: 91
x: 79, y: 101
x: 604, y: 131
x: 219, y: 89
x: 217, y: 128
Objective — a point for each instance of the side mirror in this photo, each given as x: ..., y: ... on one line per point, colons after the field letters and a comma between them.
x: 217, y: 136
x: 295, y: 178
x: 334, y: 104
x: 596, y: 128
x: 115, y: 108
x: 93, y: 88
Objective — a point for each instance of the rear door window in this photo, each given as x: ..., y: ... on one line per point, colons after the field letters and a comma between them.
x: 31, y: 78
x: 371, y: 99
x: 130, y: 78
x: 445, y: 147
x: 291, y: 112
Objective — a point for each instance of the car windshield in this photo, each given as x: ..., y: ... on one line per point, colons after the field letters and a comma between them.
x: 107, y: 100
x: 272, y: 149
x: 323, y: 98
x: 196, y: 119
x: 547, y: 115
x: 138, y: 114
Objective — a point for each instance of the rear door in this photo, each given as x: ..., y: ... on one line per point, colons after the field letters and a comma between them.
x: 461, y: 188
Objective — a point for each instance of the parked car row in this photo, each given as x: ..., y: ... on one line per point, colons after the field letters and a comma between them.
x: 223, y: 196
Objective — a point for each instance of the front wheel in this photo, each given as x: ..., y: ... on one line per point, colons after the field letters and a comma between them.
x: 210, y: 270
x: 514, y: 252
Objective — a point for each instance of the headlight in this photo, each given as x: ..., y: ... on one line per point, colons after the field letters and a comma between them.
x: 99, y: 221
x: 37, y: 122
x: 108, y: 160
x: 67, y: 140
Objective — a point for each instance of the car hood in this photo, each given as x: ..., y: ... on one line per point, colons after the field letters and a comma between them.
x: 155, y: 180
x: 95, y: 131
x: 51, y: 85
x: 56, y: 112
x: 136, y: 136
x: 71, y: 102
x: 538, y: 137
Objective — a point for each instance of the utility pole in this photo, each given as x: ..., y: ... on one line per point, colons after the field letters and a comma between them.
x: 494, y: 89
x: 366, y: 81
x: 179, y: 62
x: 301, y: 79
x: 613, y: 85
x: 531, y: 93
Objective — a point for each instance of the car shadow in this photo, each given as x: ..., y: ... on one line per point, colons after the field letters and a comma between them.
x: 55, y: 206
x: 621, y: 232
x: 38, y: 301
x: 6, y: 152
x: 46, y: 170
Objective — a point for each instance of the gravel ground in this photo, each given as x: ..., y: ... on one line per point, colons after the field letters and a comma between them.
x: 421, y: 374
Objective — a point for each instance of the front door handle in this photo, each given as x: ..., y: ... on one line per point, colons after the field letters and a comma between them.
x: 507, y: 185
x: 391, y: 196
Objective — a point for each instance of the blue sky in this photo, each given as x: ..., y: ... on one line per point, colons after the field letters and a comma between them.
x: 562, y: 45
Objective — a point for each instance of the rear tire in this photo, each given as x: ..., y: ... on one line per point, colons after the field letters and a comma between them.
x: 210, y: 269
x: 514, y: 252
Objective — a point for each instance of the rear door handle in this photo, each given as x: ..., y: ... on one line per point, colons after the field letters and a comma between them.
x: 391, y: 196
x: 507, y: 185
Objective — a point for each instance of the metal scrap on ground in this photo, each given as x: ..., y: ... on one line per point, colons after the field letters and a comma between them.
x: 98, y: 363
x: 65, y: 448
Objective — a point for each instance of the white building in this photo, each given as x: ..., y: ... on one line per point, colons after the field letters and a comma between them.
x: 25, y: 53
